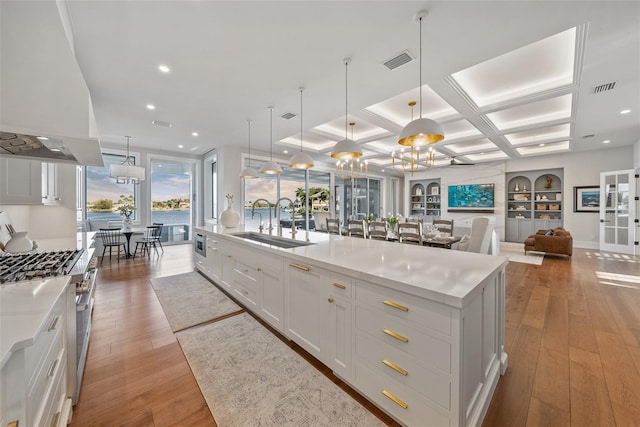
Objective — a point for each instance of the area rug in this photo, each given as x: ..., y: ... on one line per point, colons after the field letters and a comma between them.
x: 515, y: 253
x: 250, y: 378
x: 189, y: 299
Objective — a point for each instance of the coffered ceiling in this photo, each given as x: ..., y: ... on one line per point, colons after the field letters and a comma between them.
x: 505, y: 79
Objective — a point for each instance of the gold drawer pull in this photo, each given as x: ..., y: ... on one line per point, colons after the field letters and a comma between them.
x: 395, y: 305
x: 395, y: 399
x: 339, y: 286
x: 53, y: 324
x: 258, y: 269
x: 300, y: 267
x: 54, y: 421
x: 13, y: 423
x: 395, y: 335
x: 52, y: 368
x: 330, y: 300
x: 395, y: 367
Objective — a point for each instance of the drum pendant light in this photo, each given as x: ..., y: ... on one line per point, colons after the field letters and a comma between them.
x: 271, y: 167
x: 127, y: 172
x: 248, y: 172
x: 346, y: 149
x: 421, y: 131
x: 301, y: 160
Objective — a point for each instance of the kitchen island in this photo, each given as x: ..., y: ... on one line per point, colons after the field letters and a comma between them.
x: 419, y: 331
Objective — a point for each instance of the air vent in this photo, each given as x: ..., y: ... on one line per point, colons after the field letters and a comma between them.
x: 398, y: 60
x: 288, y: 116
x: 588, y: 136
x: 163, y: 124
x: 604, y: 88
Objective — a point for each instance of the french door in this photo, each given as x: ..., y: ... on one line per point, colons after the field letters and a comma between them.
x: 617, y: 211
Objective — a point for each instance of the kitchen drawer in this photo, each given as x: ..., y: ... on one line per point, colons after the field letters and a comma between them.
x: 245, y: 272
x: 54, y: 363
x: 391, y: 363
x: 246, y: 289
x: 52, y: 409
x: 52, y: 326
x: 340, y: 286
x: 423, y: 314
x: 47, y: 370
x: 418, y: 411
x: 428, y: 349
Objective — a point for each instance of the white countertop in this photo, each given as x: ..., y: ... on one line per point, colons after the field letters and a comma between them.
x: 444, y: 275
x: 24, y: 307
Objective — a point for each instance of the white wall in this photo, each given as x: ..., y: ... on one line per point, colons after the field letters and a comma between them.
x: 580, y: 169
x: 483, y: 173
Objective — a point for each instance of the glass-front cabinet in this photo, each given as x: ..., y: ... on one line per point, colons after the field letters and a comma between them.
x: 357, y: 198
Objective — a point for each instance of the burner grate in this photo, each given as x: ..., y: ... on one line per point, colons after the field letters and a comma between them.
x: 17, y: 267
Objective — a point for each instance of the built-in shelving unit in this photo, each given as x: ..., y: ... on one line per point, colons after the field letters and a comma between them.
x: 534, y: 202
x: 424, y: 199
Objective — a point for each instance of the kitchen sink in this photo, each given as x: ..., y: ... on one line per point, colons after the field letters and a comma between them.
x: 280, y: 242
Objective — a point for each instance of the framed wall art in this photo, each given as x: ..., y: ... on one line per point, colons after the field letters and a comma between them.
x: 586, y: 199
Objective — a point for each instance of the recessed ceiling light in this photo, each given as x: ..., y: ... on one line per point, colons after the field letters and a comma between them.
x: 180, y: 146
x: 56, y: 149
x: 43, y: 138
x: 541, y: 145
x: 286, y: 152
x: 163, y: 68
x: 151, y: 107
x: 159, y: 166
x: 194, y: 133
x: 606, y: 141
x: 381, y: 170
x: 625, y: 111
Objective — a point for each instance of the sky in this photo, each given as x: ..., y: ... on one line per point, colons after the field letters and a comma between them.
x: 163, y: 186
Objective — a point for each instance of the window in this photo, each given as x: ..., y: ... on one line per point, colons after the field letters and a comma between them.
x: 263, y: 187
x: 357, y: 198
x: 214, y: 189
x: 171, y: 198
x: 103, y: 195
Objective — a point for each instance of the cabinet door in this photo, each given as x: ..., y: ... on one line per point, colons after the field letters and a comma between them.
x: 339, y: 338
x: 50, y: 192
x: 214, y: 260
x: 272, y: 297
x: 511, y: 231
x: 525, y: 228
x: 20, y: 182
x: 307, y: 309
x: 227, y: 269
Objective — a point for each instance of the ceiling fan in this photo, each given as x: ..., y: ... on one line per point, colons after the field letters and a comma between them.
x: 455, y: 162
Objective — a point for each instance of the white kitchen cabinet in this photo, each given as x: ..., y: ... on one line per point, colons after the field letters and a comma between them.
x: 272, y: 292
x: 340, y: 324
x: 20, y: 182
x: 307, y: 309
x: 50, y: 184
x: 34, y: 379
x: 214, y: 259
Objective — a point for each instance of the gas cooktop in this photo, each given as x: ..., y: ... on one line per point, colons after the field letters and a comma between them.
x: 37, y: 265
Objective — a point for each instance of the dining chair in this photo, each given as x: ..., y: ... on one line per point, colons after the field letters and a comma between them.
x: 356, y: 228
x: 333, y: 226
x: 158, y: 234
x: 443, y: 226
x: 378, y: 230
x: 148, y: 241
x: 112, y: 238
x: 480, y: 239
x: 410, y: 232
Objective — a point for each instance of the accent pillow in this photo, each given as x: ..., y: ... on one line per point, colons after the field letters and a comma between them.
x: 549, y: 233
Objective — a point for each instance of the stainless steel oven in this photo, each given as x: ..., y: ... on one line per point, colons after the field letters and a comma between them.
x: 200, y: 244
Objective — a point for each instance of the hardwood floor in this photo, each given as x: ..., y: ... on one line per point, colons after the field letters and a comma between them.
x: 572, y: 336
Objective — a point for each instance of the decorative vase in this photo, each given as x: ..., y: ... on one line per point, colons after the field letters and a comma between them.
x: 229, y: 218
x: 19, y: 243
x: 517, y: 187
x: 126, y: 223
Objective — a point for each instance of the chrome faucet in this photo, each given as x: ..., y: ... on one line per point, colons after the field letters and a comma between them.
x: 260, y: 227
x: 293, y: 221
x: 253, y: 211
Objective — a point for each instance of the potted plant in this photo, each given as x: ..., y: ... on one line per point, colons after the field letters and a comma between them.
x: 126, y: 208
x: 393, y: 221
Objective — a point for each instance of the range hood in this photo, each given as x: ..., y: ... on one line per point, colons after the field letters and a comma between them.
x: 82, y: 151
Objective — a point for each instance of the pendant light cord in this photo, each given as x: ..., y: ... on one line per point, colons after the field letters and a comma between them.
x: 346, y: 98
x: 249, y: 125
x: 271, y: 131
x: 421, y: 67
x: 301, y: 119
